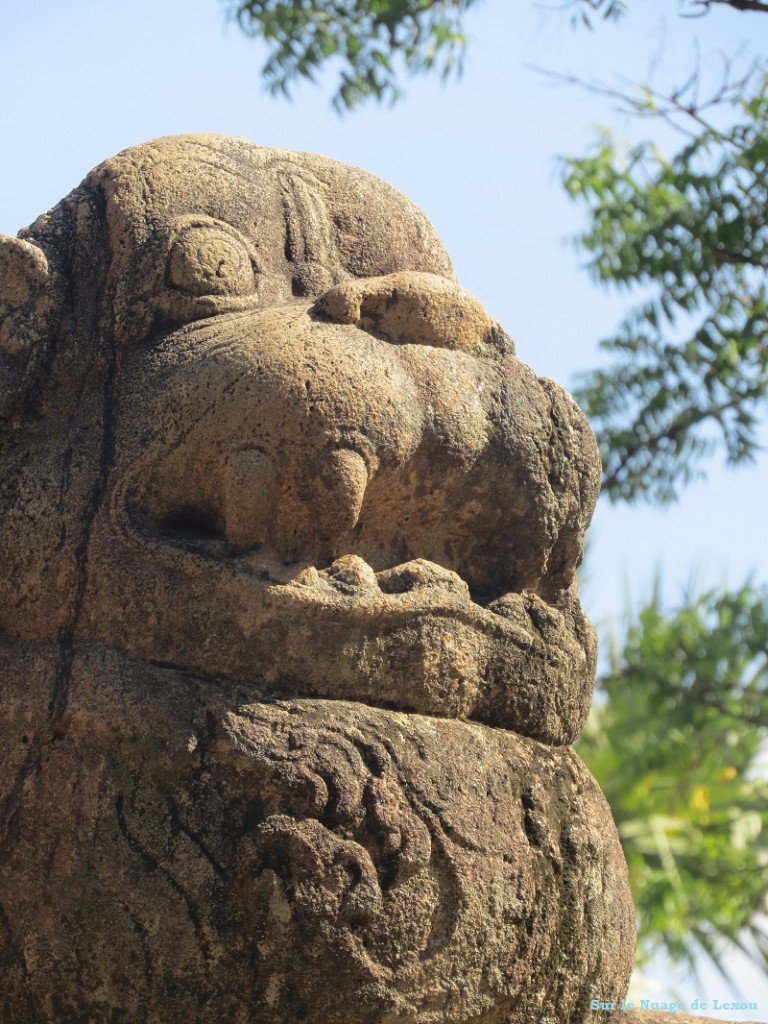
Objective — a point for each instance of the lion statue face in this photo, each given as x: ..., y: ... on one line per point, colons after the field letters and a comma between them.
x: 313, y: 435
x: 268, y: 468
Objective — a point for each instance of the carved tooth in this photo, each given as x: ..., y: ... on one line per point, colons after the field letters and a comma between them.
x: 309, y: 577
x: 352, y: 571
x: 342, y: 477
x: 421, y: 573
x: 512, y: 607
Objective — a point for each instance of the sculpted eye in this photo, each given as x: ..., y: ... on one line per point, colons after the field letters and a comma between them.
x: 205, y: 260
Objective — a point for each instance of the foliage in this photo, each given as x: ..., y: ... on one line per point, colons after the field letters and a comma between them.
x: 677, y: 729
x: 371, y: 40
x: 610, y: 10
x: 690, y: 368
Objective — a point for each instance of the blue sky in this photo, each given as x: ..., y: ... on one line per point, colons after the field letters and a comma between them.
x: 85, y: 79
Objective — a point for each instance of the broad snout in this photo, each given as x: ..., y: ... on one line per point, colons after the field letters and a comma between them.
x: 411, y: 308
x: 506, y: 461
x: 389, y: 421
x: 382, y: 460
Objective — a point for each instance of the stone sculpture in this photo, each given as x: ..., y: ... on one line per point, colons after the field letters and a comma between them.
x: 291, y: 650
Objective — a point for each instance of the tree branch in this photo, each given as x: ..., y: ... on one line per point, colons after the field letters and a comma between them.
x: 737, y: 5
x: 693, y: 417
x: 739, y: 258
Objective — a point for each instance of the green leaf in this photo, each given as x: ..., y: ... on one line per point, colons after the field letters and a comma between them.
x: 679, y: 724
x: 692, y: 229
x: 374, y: 42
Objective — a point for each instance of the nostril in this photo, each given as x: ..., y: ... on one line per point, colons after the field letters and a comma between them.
x: 410, y: 308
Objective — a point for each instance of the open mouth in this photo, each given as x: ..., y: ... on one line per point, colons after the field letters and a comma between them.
x: 411, y: 637
x: 416, y: 584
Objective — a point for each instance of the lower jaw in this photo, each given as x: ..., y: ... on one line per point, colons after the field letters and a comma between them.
x: 443, y: 657
x: 407, y: 638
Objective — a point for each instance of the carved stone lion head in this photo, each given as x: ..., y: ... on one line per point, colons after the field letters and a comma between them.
x: 279, y: 506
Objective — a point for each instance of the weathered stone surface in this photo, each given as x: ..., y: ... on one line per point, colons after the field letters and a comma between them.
x: 285, y: 527
x: 190, y: 851
x: 206, y: 433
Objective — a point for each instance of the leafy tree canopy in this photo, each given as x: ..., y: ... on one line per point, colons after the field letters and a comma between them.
x: 675, y: 739
x: 371, y: 44
x: 690, y: 364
